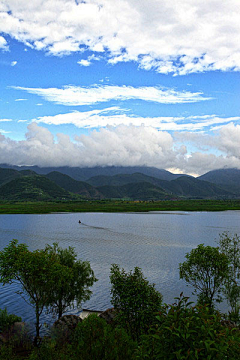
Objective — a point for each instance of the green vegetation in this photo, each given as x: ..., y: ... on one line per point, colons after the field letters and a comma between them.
x: 143, y: 327
x: 134, y: 299
x: 7, y: 320
x: 116, y: 206
x: 189, y: 332
x: 230, y: 246
x: 206, y: 269
x: 27, y: 185
x: 49, y: 278
x: 71, y: 288
x: 32, y: 188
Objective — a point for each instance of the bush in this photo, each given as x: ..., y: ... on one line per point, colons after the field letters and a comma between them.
x: 94, y: 339
x: 7, y: 320
x: 186, y: 332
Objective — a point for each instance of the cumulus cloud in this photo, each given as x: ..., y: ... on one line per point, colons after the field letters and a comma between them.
x: 13, y: 63
x: 121, y: 145
x: 178, y: 37
x: 89, y: 60
x: 3, y: 43
x: 84, y: 62
x: 114, y: 116
x: 76, y: 95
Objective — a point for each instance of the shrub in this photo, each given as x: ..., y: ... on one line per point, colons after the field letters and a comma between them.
x: 95, y: 339
x: 7, y: 320
x: 190, y: 332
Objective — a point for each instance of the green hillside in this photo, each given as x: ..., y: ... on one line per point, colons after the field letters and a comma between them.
x: 134, y: 191
x: 190, y: 187
x: 27, y: 185
x: 123, y: 179
x: 32, y: 188
x: 7, y: 175
x: 226, y: 178
x: 77, y: 187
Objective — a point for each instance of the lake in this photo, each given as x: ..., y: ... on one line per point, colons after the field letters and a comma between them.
x: 156, y: 242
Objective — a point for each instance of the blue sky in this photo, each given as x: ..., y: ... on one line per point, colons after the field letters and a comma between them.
x: 86, y: 83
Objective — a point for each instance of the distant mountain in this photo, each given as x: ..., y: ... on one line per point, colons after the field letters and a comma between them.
x: 227, y: 178
x: 7, y: 175
x: 134, y: 191
x: 194, y: 188
x: 83, y: 174
x: 77, y: 187
x: 123, y: 179
x: 32, y: 188
x: 27, y: 185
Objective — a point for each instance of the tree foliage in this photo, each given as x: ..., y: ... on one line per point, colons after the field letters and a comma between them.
x: 135, y: 300
x: 230, y: 246
x: 206, y: 269
x: 72, y: 286
x: 50, y: 278
x: 189, y: 332
x: 34, y: 270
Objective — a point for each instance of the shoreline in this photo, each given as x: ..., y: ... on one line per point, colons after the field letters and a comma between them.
x: 117, y: 206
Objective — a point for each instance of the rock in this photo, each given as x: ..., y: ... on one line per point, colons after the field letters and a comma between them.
x: 64, y: 327
x: 108, y: 315
x: 17, y: 333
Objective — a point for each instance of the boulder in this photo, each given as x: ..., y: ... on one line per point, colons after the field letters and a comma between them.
x: 64, y: 327
x: 108, y: 315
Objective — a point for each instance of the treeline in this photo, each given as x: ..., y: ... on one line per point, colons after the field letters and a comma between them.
x: 143, y: 327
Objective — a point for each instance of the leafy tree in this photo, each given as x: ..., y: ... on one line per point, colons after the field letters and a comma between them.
x: 189, y: 332
x: 206, y: 268
x: 134, y: 299
x: 230, y: 246
x: 72, y: 286
x: 36, y: 272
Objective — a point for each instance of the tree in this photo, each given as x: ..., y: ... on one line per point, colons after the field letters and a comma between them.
x: 134, y: 299
x: 72, y: 286
x: 230, y: 246
x: 36, y: 271
x: 183, y: 331
x: 206, y: 268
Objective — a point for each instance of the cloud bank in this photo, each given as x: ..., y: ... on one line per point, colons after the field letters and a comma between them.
x: 124, y: 145
x: 178, y: 37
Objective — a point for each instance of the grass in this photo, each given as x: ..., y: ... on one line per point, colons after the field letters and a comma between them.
x: 117, y: 206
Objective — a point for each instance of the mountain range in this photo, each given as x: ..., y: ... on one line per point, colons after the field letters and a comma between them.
x: 32, y: 183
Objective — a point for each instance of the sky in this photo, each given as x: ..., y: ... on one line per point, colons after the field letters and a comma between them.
x: 120, y: 82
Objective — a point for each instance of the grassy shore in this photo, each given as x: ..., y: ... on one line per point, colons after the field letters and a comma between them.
x: 117, y: 206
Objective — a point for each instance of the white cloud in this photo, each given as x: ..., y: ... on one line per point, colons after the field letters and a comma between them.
x: 122, y: 145
x: 20, y: 99
x: 169, y: 36
x: 114, y: 116
x: 75, y: 96
x: 84, y: 62
x: 5, y: 120
x: 13, y: 63
x: 88, y: 61
x: 3, y: 43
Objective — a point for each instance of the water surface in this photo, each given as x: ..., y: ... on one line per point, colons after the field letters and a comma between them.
x: 156, y: 242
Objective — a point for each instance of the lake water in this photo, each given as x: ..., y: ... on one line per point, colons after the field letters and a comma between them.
x: 156, y: 242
